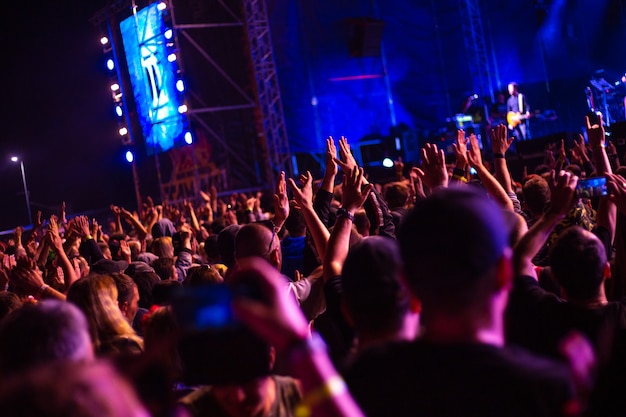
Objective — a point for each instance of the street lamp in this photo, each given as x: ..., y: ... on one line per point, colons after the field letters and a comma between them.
x: 16, y: 159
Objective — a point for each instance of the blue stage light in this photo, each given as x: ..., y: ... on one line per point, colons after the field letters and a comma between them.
x: 130, y: 157
x: 119, y: 111
x: 168, y: 34
x: 188, y: 138
x: 110, y: 64
x: 180, y: 86
x: 388, y: 163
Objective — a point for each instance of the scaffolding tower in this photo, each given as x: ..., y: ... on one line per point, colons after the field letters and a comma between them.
x: 227, y: 59
x: 481, y: 69
x: 270, y: 117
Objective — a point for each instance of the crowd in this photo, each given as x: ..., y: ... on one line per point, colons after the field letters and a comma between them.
x: 441, y: 293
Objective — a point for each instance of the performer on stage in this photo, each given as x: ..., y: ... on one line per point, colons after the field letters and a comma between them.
x: 517, y: 113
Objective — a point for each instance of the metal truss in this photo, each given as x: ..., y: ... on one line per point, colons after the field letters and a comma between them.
x: 246, y: 122
x: 271, y: 117
x: 476, y: 47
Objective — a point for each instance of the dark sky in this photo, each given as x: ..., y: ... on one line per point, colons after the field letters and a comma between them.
x: 57, y: 112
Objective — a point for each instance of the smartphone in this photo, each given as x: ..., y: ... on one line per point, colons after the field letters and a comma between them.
x: 214, y: 347
x: 591, y: 187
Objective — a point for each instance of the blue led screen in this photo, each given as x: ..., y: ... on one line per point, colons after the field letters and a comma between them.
x: 153, y: 79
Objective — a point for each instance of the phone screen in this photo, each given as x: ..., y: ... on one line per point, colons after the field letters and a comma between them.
x: 591, y: 187
x: 214, y: 347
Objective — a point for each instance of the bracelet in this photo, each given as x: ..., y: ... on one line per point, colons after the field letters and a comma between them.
x: 43, y: 288
x: 332, y: 387
x: 459, y: 177
x: 342, y: 212
x: 498, y: 155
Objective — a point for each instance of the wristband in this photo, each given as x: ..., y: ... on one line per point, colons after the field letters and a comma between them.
x: 332, y: 387
x: 342, y: 212
x: 498, y: 155
x: 43, y: 288
x: 459, y: 178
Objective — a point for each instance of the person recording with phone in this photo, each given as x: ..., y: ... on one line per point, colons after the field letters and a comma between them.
x: 518, y: 113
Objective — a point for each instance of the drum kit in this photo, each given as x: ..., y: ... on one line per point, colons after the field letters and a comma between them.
x: 607, y: 98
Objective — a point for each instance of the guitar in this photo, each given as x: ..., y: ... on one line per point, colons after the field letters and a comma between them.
x: 514, y: 118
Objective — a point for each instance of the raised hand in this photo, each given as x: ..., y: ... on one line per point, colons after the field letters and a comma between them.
x: 303, y: 196
x: 595, y: 133
x: 475, y: 158
x: 81, y: 226
x: 331, y: 157
x: 434, y: 172
x: 277, y: 318
x: 460, y: 149
x: 617, y: 191
x: 53, y: 226
x: 346, y: 160
x: 281, y: 202
x: 500, y: 143
x: 416, y: 175
x: 354, y: 191
x: 563, y: 188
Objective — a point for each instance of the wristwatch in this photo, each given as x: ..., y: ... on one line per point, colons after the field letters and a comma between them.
x: 342, y: 212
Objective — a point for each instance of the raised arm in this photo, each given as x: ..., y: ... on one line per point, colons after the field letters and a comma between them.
x: 139, y: 228
x: 560, y: 203
x: 606, y: 214
x: 279, y: 320
x: 459, y: 174
x: 354, y: 195
x: 500, y: 143
x: 304, y: 200
x: 193, y: 220
x: 491, y: 184
x: 53, y: 238
x: 328, y: 182
x: 281, y: 203
x: 434, y: 173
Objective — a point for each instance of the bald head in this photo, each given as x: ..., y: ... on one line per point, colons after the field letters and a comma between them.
x: 257, y: 239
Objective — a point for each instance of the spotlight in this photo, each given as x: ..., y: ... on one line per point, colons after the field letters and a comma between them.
x: 110, y: 64
x: 168, y: 34
x: 119, y: 111
x: 123, y: 131
x: 115, y: 87
x: 162, y: 6
x: 387, y: 163
x: 104, y: 40
x: 188, y: 138
x: 130, y: 157
x: 182, y: 108
x: 14, y: 159
x: 180, y: 86
x: 171, y: 57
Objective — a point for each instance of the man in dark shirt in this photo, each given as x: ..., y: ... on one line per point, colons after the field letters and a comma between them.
x: 455, y: 248
x: 517, y: 112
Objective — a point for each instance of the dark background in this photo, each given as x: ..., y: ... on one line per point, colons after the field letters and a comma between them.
x: 57, y: 112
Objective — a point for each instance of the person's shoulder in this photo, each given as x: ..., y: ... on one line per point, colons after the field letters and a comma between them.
x: 527, y: 365
x: 199, y: 402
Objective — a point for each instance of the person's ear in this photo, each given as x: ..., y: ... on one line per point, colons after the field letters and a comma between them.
x: 123, y: 307
x: 606, y: 273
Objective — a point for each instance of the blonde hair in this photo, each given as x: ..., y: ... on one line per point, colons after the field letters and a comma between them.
x: 163, y: 247
x: 96, y: 296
